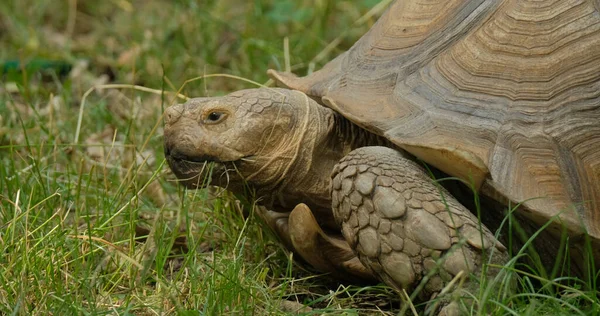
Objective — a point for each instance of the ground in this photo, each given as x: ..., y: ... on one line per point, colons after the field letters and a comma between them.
x: 91, y: 219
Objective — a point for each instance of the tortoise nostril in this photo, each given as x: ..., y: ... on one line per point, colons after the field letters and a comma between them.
x: 172, y: 114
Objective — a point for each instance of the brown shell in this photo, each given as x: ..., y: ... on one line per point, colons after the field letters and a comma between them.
x: 504, y: 93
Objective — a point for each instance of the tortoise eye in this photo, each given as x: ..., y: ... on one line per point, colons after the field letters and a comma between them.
x: 214, y: 117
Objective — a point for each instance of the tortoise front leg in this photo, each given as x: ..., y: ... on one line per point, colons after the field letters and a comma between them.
x: 302, y: 234
x: 394, y: 216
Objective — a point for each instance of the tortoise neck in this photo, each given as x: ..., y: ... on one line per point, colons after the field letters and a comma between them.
x: 308, y: 176
x: 354, y: 136
x: 328, y: 138
x: 332, y: 137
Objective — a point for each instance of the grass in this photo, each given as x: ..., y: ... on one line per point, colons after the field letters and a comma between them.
x: 91, y: 220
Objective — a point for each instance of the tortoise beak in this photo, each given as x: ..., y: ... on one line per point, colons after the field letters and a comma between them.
x: 186, y: 157
x: 182, y: 153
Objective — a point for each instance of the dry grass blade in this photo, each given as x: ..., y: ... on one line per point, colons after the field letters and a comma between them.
x: 117, y: 249
x: 376, y: 10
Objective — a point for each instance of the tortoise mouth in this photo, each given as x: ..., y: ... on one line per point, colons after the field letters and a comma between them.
x: 196, y: 172
x: 176, y: 154
x: 202, y: 159
x: 172, y: 154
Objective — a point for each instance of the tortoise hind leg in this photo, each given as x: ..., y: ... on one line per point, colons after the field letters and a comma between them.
x: 394, y: 217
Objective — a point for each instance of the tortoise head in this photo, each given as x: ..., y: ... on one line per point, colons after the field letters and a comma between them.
x: 252, y: 136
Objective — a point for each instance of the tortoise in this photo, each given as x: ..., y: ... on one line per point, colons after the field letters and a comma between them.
x: 503, y: 95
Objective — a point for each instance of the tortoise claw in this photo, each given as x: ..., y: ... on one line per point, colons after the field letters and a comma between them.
x: 324, y: 252
x: 278, y: 222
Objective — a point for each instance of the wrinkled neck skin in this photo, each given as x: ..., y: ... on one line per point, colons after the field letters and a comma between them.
x: 306, y: 154
x: 302, y: 159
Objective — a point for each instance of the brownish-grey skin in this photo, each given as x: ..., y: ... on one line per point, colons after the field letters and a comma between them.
x: 504, y: 95
x: 318, y: 175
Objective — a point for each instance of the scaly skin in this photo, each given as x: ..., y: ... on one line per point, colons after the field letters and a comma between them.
x: 285, y: 145
x: 393, y: 214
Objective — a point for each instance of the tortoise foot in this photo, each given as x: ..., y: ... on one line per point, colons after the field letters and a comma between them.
x: 302, y: 234
x: 278, y: 222
x: 326, y: 253
x: 401, y: 227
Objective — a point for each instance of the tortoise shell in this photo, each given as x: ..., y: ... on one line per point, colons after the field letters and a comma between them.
x: 504, y: 94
